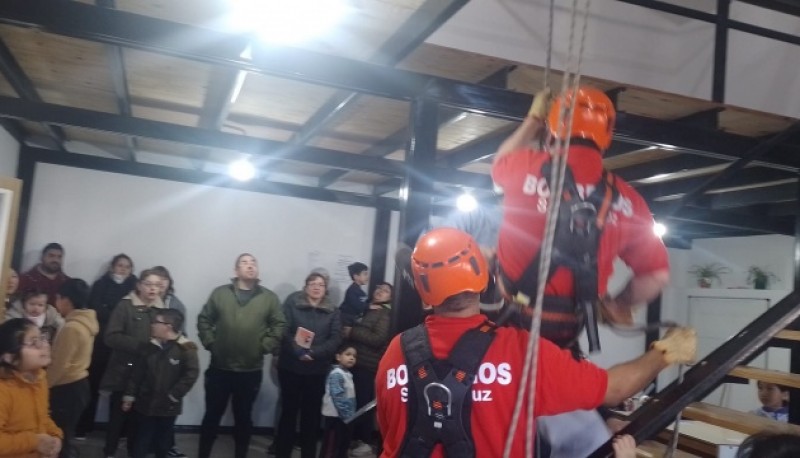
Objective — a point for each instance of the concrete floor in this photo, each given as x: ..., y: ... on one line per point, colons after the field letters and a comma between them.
x: 92, y: 447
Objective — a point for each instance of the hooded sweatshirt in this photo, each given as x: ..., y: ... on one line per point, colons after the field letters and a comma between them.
x: 72, y: 349
x: 23, y: 414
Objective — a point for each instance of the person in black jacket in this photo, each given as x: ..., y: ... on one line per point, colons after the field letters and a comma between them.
x: 304, y: 362
x: 106, y: 293
x: 166, y: 371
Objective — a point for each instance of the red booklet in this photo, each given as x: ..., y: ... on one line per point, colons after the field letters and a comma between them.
x: 303, y: 337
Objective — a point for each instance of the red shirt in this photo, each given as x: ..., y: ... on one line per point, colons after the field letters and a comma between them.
x: 563, y: 384
x: 628, y: 233
x: 35, y: 280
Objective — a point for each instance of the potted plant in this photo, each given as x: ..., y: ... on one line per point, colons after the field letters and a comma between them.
x: 760, y: 277
x: 707, y: 273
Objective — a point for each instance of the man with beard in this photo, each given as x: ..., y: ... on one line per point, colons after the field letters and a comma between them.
x: 47, y: 276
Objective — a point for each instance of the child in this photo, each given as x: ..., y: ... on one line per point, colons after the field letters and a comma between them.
x: 68, y: 374
x: 338, y: 404
x: 355, y: 299
x: 775, y: 400
x: 26, y: 430
x: 165, y: 372
x: 768, y: 444
x: 34, y: 307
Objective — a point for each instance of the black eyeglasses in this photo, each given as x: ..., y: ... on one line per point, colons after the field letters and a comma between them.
x: 37, y: 342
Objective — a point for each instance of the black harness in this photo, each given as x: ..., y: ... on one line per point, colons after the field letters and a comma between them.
x: 440, y: 392
x: 580, y: 224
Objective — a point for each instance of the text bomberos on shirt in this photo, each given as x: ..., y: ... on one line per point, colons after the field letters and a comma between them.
x: 488, y: 374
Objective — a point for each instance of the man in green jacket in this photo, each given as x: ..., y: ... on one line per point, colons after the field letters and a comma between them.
x: 241, y: 322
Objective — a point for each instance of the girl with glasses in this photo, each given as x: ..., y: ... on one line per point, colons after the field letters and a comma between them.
x: 26, y: 429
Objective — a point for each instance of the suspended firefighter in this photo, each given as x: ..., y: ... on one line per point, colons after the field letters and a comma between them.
x: 448, y: 386
x: 601, y: 218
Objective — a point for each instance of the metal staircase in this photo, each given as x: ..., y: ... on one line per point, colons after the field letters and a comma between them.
x: 769, y: 329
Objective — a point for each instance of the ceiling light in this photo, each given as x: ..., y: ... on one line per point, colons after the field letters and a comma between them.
x: 466, y: 203
x: 242, y: 170
x: 286, y: 22
x: 660, y: 229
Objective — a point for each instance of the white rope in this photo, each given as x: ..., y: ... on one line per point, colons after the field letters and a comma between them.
x: 558, y: 170
x: 546, y: 81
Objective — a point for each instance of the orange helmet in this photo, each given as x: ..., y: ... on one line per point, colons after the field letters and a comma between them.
x: 446, y: 262
x: 592, y: 119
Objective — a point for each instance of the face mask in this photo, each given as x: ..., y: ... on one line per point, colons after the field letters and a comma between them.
x: 37, y: 320
x: 118, y: 279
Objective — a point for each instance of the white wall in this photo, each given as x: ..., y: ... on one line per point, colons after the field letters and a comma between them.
x: 197, y: 232
x: 772, y: 252
x: 640, y: 46
x: 9, y: 154
x: 684, y: 302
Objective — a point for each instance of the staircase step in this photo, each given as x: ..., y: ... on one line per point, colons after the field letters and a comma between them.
x: 743, y: 422
x: 653, y: 449
x: 767, y: 375
x: 787, y: 334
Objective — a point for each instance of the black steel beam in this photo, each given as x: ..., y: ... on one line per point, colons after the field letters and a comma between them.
x: 747, y: 177
x: 25, y: 88
x: 34, y: 155
x: 712, y: 18
x: 754, y: 153
x: 706, y: 375
x: 696, y: 140
x: 269, y: 149
x: 765, y: 195
x: 398, y: 139
x: 720, y: 51
x: 416, y: 29
x: 781, y: 209
x: 114, y: 27
x: 380, y: 246
x: 796, y: 205
x: 672, y: 164
x: 487, y: 145
x: 784, y: 6
x: 706, y: 119
x: 14, y: 128
x: 415, y: 204
x: 120, y: 82
x: 335, y: 106
x: 474, y: 151
x: 727, y: 219
x: 119, y: 79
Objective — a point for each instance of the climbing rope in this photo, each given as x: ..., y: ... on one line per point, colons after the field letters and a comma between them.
x: 558, y: 152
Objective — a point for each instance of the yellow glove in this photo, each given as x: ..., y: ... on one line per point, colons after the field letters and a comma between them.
x: 540, y: 105
x: 679, y: 345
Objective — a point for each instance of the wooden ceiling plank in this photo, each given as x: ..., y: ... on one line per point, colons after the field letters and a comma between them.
x: 23, y: 86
